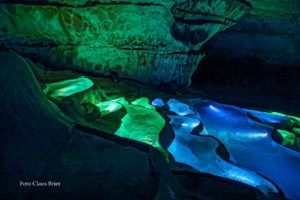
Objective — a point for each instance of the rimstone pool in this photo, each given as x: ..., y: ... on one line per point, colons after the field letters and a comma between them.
x: 150, y: 99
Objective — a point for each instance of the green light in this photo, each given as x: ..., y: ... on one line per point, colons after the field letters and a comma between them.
x: 121, y: 101
x: 143, y: 101
x: 107, y: 107
x: 287, y: 116
x: 295, y: 119
x: 288, y: 137
x: 297, y: 130
x: 143, y: 125
x: 61, y: 89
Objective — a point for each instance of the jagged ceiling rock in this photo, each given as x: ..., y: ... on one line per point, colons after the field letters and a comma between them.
x: 150, y: 41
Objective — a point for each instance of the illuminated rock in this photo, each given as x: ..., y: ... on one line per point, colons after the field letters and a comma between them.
x: 141, y: 124
x: 179, y: 108
x: 200, y: 153
x: 251, y: 144
x: 151, y: 41
x: 297, y: 130
x: 158, y: 102
x: 36, y: 139
x: 121, y: 101
x: 144, y: 102
x: 107, y: 107
x: 62, y: 89
x: 273, y: 119
x: 289, y: 138
x: 296, y: 119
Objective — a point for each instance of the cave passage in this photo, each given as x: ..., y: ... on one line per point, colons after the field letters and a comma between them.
x: 150, y: 99
x: 256, y: 141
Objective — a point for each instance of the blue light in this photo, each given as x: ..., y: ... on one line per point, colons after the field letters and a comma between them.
x: 179, y: 108
x: 251, y: 144
x: 267, y: 117
x: 158, y: 103
x: 213, y: 108
x: 200, y: 153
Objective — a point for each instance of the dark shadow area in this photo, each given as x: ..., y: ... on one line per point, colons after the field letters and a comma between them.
x: 249, y: 82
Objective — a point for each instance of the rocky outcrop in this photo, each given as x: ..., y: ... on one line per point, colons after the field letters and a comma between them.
x: 150, y: 41
x: 37, y: 144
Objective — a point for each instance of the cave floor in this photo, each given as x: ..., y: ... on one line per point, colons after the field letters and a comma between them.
x: 140, y: 116
x: 120, y: 118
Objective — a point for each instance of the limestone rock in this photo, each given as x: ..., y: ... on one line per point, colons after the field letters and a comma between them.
x: 40, y: 144
x: 150, y: 41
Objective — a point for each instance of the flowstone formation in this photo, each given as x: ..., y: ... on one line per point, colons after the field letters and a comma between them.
x: 39, y: 142
x: 66, y: 120
x: 199, y: 129
x: 153, y: 41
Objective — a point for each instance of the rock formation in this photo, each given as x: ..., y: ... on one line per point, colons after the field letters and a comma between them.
x: 262, y: 49
x: 97, y: 136
x: 149, y: 41
x: 40, y: 144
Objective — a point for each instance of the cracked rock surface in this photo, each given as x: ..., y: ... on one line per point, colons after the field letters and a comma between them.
x: 155, y: 42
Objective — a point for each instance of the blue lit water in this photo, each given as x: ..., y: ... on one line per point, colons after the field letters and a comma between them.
x: 200, y: 153
x: 248, y: 141
x: 251, y: 144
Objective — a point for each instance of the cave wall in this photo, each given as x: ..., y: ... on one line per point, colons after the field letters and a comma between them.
x: 260, y: 51
x: 149, y: 41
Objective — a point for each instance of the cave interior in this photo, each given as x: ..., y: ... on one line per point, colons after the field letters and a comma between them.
x: 150, y: 99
